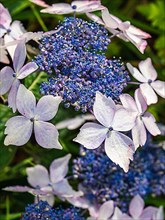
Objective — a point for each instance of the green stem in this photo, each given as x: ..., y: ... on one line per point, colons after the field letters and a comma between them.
x: 7, y: 208
x: 35, y: 81
x: 37, y: 15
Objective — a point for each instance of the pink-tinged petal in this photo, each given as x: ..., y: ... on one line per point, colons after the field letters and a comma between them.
x: 159, y: 87
x: 27, y: 70
x: 117, y: 214
x: 139, y: 134
x: 91, y: 135
x: 106, y: 210
x: 58, y: 8
x: 3, y: 57
x: 40, y: 3
x: 124, y: 25
x: 71, y: 124
x: 104, y: 109
x: 74, y: 123
x: 63, y: 189
x: 140, y: 101
x: 150, y: 124
x: 138, y: 32
x: 37, y: 176
x: 95, y: 18
x: 87, y: 6
x: 148, y: 94
x: 6, y: 79
x: 17, y: 30
x: 10, y: 46
x: 108, y: 19
x: 80, y: 202
x: 46, y: 135
x: 119, y: 148
x: 123, y: 121
x: 59, y: 168
x: 136, y: 206
x: 19, y: 56
x: 13, y: 94
x: 26, y: 102
x: 135, y: 73
x: 159, y: 215
x: 147, y: 69
x: 5, y: 18
x: 18, y: 188
x: 18, y: 130
x: 136, y: 40
x: 128, y: 103
x: 148, y: 213
x: 47, y: 107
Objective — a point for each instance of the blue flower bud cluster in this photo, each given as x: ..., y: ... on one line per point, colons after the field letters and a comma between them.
x: 74, y: 58
x: 102, y: 180
x: 43, y: 211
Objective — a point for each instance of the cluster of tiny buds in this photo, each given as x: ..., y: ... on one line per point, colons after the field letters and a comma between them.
x: 74, y: 58
x: 112, y: 183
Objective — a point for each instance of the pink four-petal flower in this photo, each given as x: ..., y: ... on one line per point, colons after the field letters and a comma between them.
x: 125, y: 30
x: 19, y: 128
x: 75, y: 6
x: 118, y: 146
x: 149, y: 85
x: 143, y: 120
x: 49, y: 184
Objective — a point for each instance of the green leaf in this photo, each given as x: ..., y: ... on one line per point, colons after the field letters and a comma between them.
x: 6, y: 152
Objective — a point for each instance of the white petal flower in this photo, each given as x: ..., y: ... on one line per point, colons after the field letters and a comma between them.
x: 147, y: 76
x: 118, y: 146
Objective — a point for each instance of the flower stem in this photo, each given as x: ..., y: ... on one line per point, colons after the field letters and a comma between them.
x: 37, y: 15
x: 35, y: 81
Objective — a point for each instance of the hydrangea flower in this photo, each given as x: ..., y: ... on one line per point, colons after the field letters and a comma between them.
x: 123, y: 30
x: 143, y: 120
x: 118, y: 146
x: 19, y: 128
x: 149, y: 85
x: 13, y: 33
x: 137, y: 210
x: 76, y: 68
x: 75, y: 6
x: 9, y: 31
x: 10, y: 78
x: 112, y: 183
x: 48, y: 184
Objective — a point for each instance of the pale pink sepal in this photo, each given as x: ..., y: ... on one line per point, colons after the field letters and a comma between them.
x: 120, y: 149
x: 18, y: 130
x: 37, y: 176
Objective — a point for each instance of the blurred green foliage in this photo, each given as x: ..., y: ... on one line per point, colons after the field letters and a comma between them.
x: 145, y: 14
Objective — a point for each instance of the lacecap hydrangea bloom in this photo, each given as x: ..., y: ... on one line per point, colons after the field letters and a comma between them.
x: 43, y: 211
x: 74, y: 58
x: 101, y: 180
